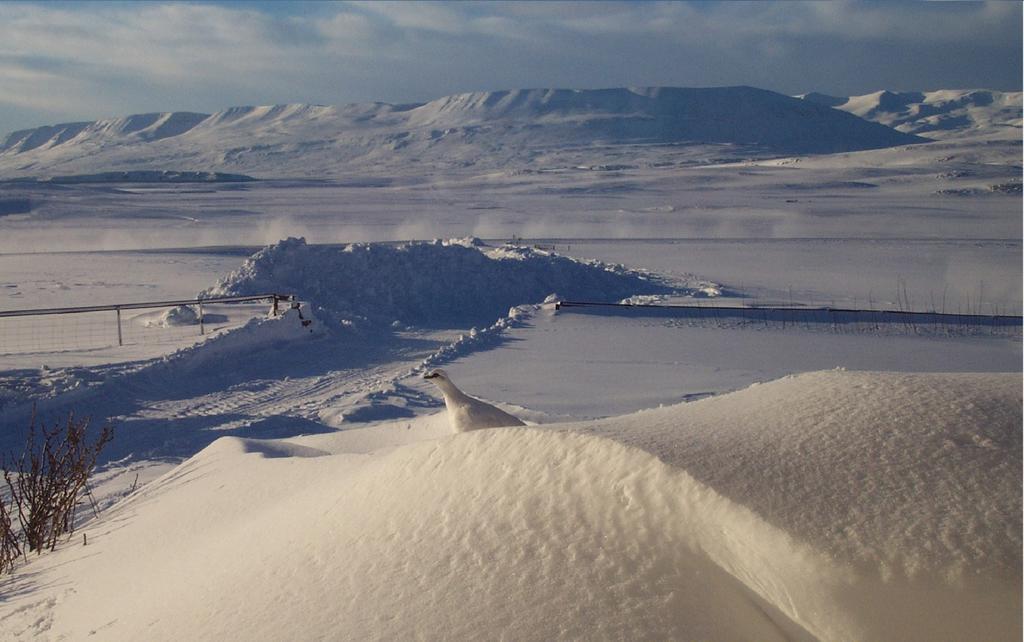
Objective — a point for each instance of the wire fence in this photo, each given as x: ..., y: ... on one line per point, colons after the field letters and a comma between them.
x: 839, y: 320
x: 147, y: 323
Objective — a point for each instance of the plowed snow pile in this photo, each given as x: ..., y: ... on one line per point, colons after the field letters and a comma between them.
x: 449, y: 282
x: 832, y: 505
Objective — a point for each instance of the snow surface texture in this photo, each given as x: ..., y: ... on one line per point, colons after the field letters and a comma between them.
x: 454, y: 283
x: 485, y: 129
x: 23, y: 389
x: 830, y: 505
x: 257, y: 333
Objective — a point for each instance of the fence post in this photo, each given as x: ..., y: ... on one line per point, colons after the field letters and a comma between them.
x: 120, y: 342
x: 202, y: 328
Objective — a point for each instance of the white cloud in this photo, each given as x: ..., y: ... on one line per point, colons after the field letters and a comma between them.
x: 427, y: 16
x: 112, y: 59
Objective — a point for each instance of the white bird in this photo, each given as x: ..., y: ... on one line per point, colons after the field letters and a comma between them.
x: 468, y: 413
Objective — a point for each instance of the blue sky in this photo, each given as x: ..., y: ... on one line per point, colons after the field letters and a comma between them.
x: 62, y: 61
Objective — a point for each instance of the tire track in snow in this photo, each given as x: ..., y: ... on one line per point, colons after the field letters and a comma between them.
x: 166, y: 407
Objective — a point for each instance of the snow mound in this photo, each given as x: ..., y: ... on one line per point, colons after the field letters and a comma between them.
x: 257, y: 334
x: 832, y: 506
x: 453, y: 283
x: 393, y: 401
x: 914, y: 476
x: 177, y: 316
x: 580, y: 539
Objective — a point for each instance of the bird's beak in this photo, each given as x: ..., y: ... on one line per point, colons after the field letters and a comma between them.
x: 430, y: 375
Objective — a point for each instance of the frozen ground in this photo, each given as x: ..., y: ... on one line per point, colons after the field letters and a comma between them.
x: 586, y: 364
x: 53, y: 280
x: 936, y: 274
x: 963, y: 188
x: 899, y: 510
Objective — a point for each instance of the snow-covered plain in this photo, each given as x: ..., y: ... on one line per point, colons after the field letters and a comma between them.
x: 800, y: 481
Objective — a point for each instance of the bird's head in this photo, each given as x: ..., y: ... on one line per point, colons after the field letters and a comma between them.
x: 437, y: 375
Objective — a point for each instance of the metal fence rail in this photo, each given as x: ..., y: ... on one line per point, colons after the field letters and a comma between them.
x: 92, y: 327
x: 276, y: 298
x: 837, y: 319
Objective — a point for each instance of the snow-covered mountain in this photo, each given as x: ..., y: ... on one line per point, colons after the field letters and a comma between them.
x: 936, y: 114
x: 487, y: 130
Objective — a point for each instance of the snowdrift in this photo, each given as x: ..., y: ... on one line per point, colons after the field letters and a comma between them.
x: 119, y: 391
x: 180, y: 315
x: 258, y: 334
x: 458, y: 283
x: 831, y: 505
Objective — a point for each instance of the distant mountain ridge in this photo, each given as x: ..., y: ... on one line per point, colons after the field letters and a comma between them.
x: 944, y: 113
x: 483, y: 129
x: 144, y: 126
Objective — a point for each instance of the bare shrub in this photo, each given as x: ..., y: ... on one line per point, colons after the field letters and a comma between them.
x: 45, y: 484
x: 10, y: 545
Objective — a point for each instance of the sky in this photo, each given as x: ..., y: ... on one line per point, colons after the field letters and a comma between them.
x: 73, y: 61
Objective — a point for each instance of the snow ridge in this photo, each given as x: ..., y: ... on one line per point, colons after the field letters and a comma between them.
x: 937, y: 114
x: 140, y: 127
x: 454, y: 283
